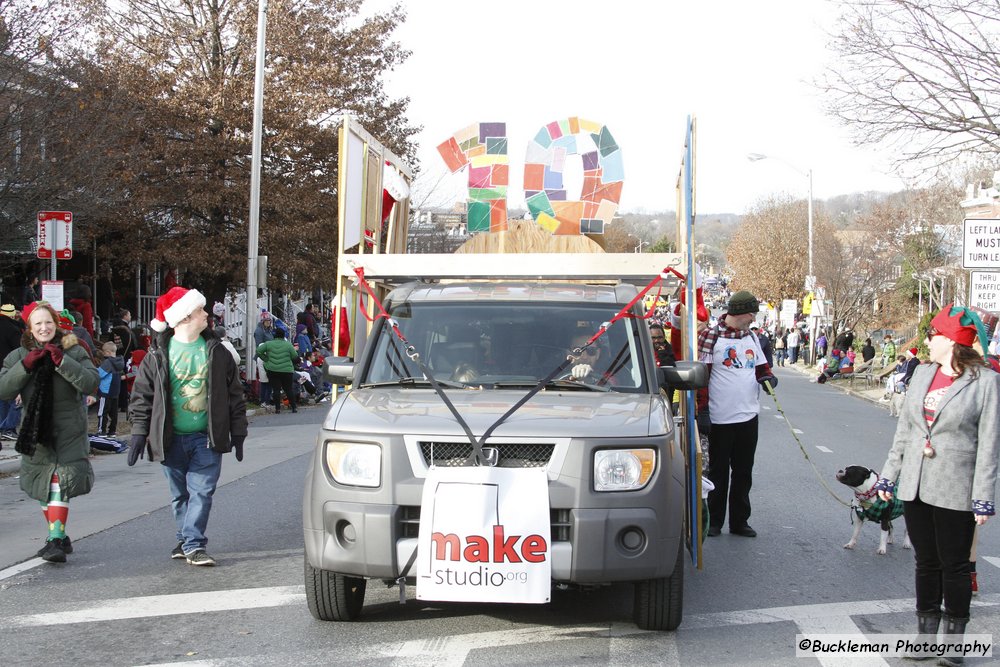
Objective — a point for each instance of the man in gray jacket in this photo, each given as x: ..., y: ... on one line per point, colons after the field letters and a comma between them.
x: 188, y: 409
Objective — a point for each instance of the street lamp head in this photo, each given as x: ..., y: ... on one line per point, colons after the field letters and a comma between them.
x: 754, y: 157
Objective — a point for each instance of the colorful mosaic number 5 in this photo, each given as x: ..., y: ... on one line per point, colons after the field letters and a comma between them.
x: 484, y: 148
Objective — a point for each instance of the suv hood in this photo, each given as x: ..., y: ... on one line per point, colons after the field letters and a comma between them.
x: 548, y: 414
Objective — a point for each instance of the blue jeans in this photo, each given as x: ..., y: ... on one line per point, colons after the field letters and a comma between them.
x: 192, y: 471
x: 10, y: 416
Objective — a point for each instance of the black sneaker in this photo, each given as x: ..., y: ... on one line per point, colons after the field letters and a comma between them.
x: 714, y: 531
x: 745, y: 531
x: 67, y: 547
x: 54, y: 552
x: 178, y: 552
x: 199, y: 557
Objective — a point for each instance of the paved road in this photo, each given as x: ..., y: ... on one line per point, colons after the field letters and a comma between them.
x: 121, y: 600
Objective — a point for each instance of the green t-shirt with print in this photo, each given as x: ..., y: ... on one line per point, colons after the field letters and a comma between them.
x: 189, y: 385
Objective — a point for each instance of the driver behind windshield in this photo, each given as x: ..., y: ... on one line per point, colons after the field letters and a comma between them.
x: 585, y: 362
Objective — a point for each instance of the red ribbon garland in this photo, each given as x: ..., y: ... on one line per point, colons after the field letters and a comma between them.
x: 359, y: 271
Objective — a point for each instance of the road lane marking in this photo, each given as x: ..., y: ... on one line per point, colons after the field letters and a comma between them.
x: 992, y: 560
x: 797, y: 431
x: 20, y: 567
x: 824, y: 449
x: 827, y: 618
x: 238, y: 555
x: 166, y: 605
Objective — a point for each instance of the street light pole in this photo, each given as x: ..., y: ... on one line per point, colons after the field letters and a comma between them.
x: 254, y: 218
x: 638, y: 245
x: 810, y: 276
x: 811, y: 223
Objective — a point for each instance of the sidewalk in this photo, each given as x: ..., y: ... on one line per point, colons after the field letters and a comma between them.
x: 122, y: 493
x: 858, y: 388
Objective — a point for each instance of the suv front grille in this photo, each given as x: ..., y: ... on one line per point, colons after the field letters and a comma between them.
x: 559, y: 522
x: 509, y: 455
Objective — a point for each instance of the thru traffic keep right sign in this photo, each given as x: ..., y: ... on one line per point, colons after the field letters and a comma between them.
x: 984, y: 290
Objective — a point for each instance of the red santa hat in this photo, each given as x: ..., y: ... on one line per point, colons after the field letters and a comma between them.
x: 174, y: 306
x: 912, y: 351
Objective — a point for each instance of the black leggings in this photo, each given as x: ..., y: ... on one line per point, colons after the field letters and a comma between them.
x: 942, y: 540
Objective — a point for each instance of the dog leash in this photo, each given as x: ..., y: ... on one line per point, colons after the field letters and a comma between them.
x: 803, y: 449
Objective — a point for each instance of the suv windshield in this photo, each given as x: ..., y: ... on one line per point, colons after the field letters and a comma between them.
x: 504, y: 345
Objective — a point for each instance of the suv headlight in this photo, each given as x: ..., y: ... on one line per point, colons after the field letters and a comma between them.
x: 354, y: 463
x: 623, y: 469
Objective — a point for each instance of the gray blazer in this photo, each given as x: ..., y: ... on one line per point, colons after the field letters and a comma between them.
x: 965, y: 435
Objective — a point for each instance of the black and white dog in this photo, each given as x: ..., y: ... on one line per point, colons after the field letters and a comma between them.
x: 866, y: 506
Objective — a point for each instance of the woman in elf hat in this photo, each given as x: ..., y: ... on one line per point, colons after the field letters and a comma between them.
x: 943, y: 465
x: 52, y: 373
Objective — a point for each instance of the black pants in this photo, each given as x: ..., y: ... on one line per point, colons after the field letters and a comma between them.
x: 282, y: 382
x: 731, y: 447
x: 107, y: 414
x: 942, y: 540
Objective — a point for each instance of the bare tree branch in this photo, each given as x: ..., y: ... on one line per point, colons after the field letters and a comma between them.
x: 919, y: 75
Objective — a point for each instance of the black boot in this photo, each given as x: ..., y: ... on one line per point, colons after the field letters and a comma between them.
x: 927, y: 629
x: 954, y: 631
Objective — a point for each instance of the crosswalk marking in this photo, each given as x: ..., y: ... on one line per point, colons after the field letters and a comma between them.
x: 166, y: 605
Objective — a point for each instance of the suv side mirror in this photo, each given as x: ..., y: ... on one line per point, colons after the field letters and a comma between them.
x: 339, y: 370
x: 685, y: 375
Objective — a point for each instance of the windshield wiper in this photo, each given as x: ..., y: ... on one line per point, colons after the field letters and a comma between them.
x: 551, y: 384
x: 413, y: 381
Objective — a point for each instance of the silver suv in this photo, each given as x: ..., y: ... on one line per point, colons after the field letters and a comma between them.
x: 488, y: 344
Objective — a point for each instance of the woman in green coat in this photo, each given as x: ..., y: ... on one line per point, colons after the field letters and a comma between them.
x: 52, y: 373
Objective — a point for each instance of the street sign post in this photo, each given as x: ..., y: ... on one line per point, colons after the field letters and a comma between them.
x: 55, y: 236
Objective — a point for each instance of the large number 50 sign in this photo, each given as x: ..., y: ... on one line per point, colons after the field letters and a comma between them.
x: 482, y: 148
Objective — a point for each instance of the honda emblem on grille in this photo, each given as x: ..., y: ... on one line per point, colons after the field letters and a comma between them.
x: 492, y: 455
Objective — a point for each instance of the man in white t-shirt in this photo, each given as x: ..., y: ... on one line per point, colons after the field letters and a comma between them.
x: 737, y: 368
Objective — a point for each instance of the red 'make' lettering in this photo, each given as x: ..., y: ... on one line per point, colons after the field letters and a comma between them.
x: 442, y: 541
x: 504, y: 548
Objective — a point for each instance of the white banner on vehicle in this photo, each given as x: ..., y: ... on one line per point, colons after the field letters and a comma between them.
x: 484, y: 536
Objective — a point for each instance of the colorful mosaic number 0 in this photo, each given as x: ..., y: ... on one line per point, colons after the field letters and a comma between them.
x: 483, y: 147
x: 603, y: 174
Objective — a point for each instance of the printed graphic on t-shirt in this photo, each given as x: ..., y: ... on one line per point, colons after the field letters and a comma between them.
x: 733, y: 390
x: 189, y: 385
x: 935, y: 394
x: 731, y: 358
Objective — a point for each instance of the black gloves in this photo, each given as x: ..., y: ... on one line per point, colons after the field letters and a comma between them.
x: 768, y: 383
x: 704, y: 420
x: 136, y: 449
x: 238, y: 446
